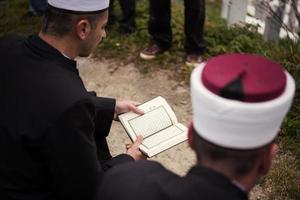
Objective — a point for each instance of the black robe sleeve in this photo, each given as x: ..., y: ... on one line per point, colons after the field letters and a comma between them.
x: 105, y: 109
x: 72, y: 154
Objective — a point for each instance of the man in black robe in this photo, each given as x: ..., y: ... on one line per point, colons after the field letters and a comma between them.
x: 239, y: 102
x: 52, y: 130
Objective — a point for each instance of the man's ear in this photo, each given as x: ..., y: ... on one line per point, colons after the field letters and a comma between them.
x: 83, y: 29
x: 266, y: 158
x: 190, y: 135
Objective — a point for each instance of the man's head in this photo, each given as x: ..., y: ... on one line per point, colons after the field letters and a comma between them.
x: 239, y: 102
x: 84, y: 22
x: 234, y: 163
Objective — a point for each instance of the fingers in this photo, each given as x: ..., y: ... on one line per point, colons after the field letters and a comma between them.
x: 126, y: 106
x: 135, y: 103
x: 133, y: 150
x: 136, y: 144
x: 135, y: 109
x: 138, y: 141
x: 128, y: 146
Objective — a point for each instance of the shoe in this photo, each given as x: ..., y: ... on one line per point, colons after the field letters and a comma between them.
x: 151, y: 51
x: 193, y: 60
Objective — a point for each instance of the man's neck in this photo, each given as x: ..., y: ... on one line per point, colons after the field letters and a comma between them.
x: 65, y: 45
x: 246, y: 182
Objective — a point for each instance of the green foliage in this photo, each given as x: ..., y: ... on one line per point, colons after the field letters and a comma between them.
x: 12, y: 18
x: 283, y: 179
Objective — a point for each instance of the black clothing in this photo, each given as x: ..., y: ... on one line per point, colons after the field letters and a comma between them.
x: 160, y: 28
x: 149, y: 180
x: 37, y: 7
x: 52, y: 131
x: 127, y: 21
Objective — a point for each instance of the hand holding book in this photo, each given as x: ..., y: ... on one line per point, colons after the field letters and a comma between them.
x: 127, y: 106
x: 158, y: 126
x: 133, y: 150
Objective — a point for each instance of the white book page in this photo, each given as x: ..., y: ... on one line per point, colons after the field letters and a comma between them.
x: 151, y: 122
x: 164, y: 140
x: 164, y: 135
x: 158, y: 115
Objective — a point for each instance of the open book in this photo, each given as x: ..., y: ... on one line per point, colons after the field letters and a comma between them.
x: 158, y: 126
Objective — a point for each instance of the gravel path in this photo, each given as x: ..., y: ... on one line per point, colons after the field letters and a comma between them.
x: 125, y: 82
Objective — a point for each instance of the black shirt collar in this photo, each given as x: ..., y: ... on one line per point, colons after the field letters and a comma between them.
x: 217, y: 179
x: 45, y: 50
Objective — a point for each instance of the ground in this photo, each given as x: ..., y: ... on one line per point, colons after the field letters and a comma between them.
x: 111, y: 78
x: 125, y: 82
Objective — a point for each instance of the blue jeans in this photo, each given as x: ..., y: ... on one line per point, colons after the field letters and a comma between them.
x: 37, y: 6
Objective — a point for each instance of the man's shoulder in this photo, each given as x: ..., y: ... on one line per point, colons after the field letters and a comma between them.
x: 150, y: 180
x: 136, y: 180
x: 10, y: 39
x: 140, y: 169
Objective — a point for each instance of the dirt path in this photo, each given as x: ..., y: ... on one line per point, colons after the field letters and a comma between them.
x: 125, y: 82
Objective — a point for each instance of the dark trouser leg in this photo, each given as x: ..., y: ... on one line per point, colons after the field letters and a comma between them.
x: 38, y: 6
x: 159, y: 23
x: 111, y: 14
x: 127, y: 23
x: 194, y: 25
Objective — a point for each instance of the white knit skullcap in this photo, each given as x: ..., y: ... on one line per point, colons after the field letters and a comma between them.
x: 80, y: 5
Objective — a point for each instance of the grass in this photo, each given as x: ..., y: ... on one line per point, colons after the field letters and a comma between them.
x: 12, y: 18
x: 283, y: 181
x: 127, y: 48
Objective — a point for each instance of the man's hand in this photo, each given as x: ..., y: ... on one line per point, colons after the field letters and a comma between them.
x: 134, y: 151
x: 126, y: 106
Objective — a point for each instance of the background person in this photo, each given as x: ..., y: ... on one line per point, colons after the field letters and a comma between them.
x: 127, y: 23
x: 159, y: 28
x: 37, y: 7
